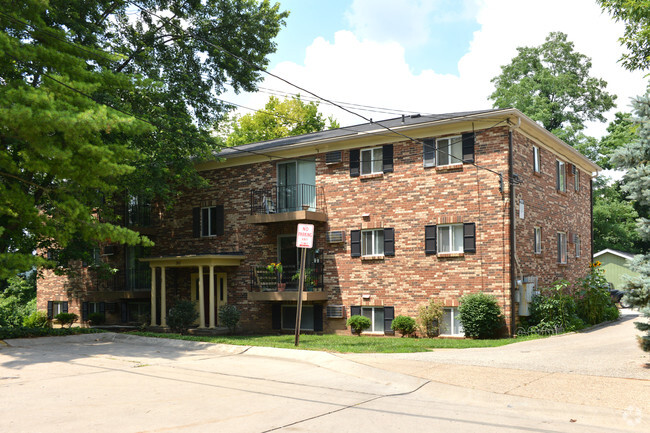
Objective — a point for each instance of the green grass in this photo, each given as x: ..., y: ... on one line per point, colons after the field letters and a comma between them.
x: 345, y: 343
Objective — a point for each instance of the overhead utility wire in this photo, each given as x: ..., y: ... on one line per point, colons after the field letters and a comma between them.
x: 261, y: 69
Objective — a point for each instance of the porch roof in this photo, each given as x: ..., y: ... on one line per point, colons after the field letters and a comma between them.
x: 193, y: 260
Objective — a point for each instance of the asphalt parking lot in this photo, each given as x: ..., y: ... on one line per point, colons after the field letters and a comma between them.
x: 119, y: 383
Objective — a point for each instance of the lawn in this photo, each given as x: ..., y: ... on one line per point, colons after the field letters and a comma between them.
x: 346, y: 343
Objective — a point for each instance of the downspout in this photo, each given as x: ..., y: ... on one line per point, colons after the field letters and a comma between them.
x: 513, y: 244
x: 591, y: 212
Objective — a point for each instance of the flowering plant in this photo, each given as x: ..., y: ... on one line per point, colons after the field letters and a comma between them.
x: 275, y: 268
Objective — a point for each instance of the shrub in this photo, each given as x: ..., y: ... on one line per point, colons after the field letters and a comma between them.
x: 7, y: 333
x: 611, y: 313
x: 593, y: 297
x: 405, y: 325
x: 480, y: 315
x: 96, y: 318
x: 66, y: 319
x: 358, y: 324
x: 429, y: 318
x: 38, y: 319
x: 181, y: 316
x: 229, y: 315
x: 555, y: 306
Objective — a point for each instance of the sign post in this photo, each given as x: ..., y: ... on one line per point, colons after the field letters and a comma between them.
x: 304, y: 240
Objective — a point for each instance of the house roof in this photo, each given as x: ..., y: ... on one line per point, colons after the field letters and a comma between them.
x: 371, y: 133
x: 627, y: 256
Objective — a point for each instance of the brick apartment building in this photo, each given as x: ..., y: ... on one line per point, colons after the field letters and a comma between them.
x: 436, y: 207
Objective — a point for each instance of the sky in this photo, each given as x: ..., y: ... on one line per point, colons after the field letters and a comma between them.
x: 429, y: 56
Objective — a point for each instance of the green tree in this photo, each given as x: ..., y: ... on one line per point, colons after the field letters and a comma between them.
x: 635, y: 159
x: 551, y: 84
x: 278, y: 119
x: 18, y: 300
x: 635, y: 14
x: 614, y: 221
x: 64, y: 152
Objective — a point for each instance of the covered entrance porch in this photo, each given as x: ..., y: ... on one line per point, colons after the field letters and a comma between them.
x: 208, y: 287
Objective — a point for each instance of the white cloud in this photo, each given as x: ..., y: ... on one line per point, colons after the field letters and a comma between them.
x: 366, y: 68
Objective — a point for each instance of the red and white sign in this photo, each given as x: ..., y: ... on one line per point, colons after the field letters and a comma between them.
x: 305, y: 236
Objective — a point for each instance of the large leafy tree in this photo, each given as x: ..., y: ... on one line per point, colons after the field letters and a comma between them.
x: 64, y: 151
x: 636, y: 16
x: 551, y: 83
x: 635, y: 159
x: 278, y: 119
x: 614, y: 220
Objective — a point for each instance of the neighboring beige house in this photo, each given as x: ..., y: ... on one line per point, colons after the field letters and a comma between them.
x: 616, y: 266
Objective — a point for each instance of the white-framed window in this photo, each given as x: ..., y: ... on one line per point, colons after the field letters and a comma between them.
x: 560, y: 176
x: 450, y: 238
x: 57, y: 307
x: 93, y: 307
x: 537, y: 240
x: 376, y: 316
x: 429, y: 152
x: 306, y: 318
x: 450, y: 322
x: 372, y: 161
x: 576, y: 179
x: 209, y: 221
x: 521, y: 208
x: 449, y: 150
x: 561, y: 247
x: 537, y: 161
x: 372, y: 242
x: 577, y: 245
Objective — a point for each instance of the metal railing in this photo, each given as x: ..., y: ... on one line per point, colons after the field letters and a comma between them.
x: 138, y: 215
x: 263, y: 280
x: 287, y: 198
x: 124, y: 280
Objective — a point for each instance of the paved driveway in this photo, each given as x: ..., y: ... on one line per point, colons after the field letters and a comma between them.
x: 117, y: 383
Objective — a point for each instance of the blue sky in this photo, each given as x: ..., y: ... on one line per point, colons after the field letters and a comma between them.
x: 449, y: 34
x: 429, y: 56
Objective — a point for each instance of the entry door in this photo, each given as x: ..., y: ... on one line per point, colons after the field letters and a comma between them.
x: 296, y: 185
x: 220, y: 295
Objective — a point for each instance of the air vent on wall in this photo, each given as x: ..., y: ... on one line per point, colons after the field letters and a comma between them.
x: 335, y: 311
x: 334, y: 237
x: 333, y: 157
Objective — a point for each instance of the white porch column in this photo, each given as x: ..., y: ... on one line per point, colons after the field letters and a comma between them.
x: 163, y: 298
x: 212, y: 321
x: 201, y: 300
x: 153, y: 296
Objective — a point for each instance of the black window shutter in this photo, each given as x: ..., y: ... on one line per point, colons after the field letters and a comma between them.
x: 318, y: 317
x: 276, y: 316
x: 84, y: 311
x: 430, y: 245
x: 354, y: 163
x: 102, y: 307
x: 65, y: 306
x: 196, y: 222
x: 125, y: 312
x: 469, y: 237
x: 468, y: 147
x: 389, y: 315
x: 387, y: 153
x: 50, y: 309
x: 205, y: 225
x: 355, y: 310
x: 355, y: 243
x: 389, y: 242
x: 220, y: 220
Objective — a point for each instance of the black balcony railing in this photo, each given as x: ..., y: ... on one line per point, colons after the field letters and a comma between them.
x: 288, y: 198
x: 138, y: 215
x: 124, y: 280
x: 266, y: 281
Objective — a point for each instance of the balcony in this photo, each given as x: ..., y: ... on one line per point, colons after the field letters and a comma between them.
x: 125, y: 283
x: 299, y: 202
x: 269, y: 286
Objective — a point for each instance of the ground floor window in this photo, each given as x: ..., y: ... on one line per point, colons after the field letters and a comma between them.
x: 376, y: 316
x: 450, y: 323
x: 56, y: 307
x: 289, y: 317
x: 139, y: 311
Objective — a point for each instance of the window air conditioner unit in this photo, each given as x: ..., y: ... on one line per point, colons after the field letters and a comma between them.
x: 335, y: 237
x: 333, y: 157
x: 335, y: 312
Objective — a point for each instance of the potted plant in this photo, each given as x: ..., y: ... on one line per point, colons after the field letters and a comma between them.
x: 310, y: 279
x: 276, y: 268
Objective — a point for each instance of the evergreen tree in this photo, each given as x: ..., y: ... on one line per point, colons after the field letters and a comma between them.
x: 635, y: 159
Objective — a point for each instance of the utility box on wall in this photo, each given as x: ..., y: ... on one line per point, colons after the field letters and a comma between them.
x: 524, y: 296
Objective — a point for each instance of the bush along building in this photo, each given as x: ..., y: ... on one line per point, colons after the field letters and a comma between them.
x: 436, y: 207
